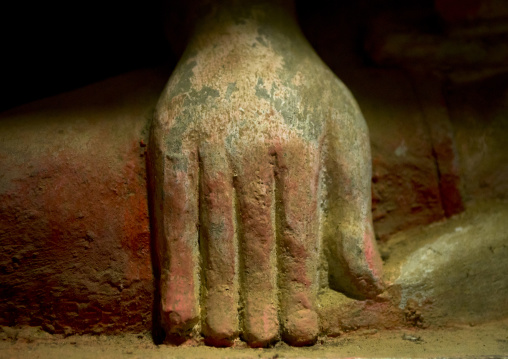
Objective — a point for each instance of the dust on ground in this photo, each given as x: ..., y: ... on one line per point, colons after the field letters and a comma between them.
x: 487, y: 340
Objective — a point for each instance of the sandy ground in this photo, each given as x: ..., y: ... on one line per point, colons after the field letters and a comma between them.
x: 486, y: 341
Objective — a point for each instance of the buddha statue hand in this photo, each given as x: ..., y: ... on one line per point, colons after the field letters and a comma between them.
x: 260, y: 174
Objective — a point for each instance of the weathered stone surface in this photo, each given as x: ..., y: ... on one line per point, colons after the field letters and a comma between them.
x: 453, y: 272
x: 405, y: 181
x: 428, y: 90
x: 463, y: 53
x: 339, y: 314
x: 445, y: 274
x: 45, y: 284
x: 256, y: 144
x: 74, y: 294
x: 479, y: 116
x: 73, y: 209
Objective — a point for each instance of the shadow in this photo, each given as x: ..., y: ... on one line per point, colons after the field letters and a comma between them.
x: 158, y: 332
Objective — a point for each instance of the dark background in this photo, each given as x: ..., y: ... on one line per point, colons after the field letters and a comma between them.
x: 49, y: 48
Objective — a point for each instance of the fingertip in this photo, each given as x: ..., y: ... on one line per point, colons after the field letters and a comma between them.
x: 178, y: 323
x: 220, y: 327
x: 261, y: 327
x: 301, y: 328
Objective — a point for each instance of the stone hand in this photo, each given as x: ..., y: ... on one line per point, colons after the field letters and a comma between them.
x: 259, y: 166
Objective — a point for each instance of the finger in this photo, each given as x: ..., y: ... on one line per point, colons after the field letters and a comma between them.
x: 174, y: 183
x: 297, y: 185
x: 219, y: 252
x: 255, y: 188
x: 355, y: 266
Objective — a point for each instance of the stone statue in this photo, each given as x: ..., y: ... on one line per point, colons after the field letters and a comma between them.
x: 256, y: 208
x: 260, y: 177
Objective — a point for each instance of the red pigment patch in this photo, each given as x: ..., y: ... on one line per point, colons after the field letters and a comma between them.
x: 371, y: 255
x: 136, y: 230
x: 66, y: 224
